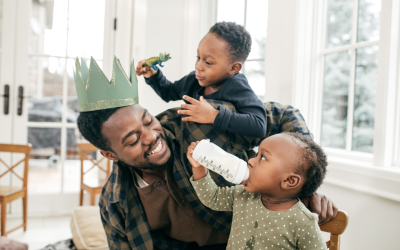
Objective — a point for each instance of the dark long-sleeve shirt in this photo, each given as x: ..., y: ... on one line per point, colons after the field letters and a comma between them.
x: 250, y: 119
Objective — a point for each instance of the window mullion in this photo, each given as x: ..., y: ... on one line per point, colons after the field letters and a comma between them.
x: 350, y: 102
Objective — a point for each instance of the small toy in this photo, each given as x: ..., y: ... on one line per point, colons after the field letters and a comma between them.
x: 153, y: 61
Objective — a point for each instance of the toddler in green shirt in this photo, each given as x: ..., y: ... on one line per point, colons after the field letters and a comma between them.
x: 267, y: 211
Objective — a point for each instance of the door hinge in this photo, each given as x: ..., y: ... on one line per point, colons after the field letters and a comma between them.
x: 115, y: 23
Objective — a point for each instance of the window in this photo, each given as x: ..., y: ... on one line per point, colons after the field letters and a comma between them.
x: 60, y: 32
x: 253, y: 16
x: 350, y: 74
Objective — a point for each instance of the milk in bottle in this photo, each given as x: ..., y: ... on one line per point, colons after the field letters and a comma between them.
x: 214, y: 158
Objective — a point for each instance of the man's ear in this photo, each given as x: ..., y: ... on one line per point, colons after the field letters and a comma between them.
x: 109, y: 155
x: 291, y: 181
x: 235, y: 68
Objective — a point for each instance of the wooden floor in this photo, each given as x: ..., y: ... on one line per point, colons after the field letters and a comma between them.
x: 41, y: 231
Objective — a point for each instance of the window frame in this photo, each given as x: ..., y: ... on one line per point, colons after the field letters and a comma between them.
x: 311, y: 99
x: 377, y: 173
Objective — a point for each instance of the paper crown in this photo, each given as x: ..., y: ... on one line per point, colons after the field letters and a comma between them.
x: 96, y: 92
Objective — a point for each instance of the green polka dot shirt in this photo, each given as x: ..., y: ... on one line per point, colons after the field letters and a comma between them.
x: 254, y: 226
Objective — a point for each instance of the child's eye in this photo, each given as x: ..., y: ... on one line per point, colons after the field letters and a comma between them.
x: 208, y: 63
x: 198, y: 58
x: 263, y: 158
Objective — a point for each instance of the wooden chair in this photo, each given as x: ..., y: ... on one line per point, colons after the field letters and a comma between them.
x: 335, y: 227
x: 11, y: 193
x: 93, y: 187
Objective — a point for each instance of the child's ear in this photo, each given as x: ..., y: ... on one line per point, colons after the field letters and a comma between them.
x: 109, y: 155
x: 235, y: 68
x: 291, y: 181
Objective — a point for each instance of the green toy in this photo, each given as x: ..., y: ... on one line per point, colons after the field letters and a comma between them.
x: 153, y: 61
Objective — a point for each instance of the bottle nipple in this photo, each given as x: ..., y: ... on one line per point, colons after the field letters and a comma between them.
x: 246, y: 174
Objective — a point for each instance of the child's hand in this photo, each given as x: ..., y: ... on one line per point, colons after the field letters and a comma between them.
x: 198, y: 111
x: 145, y: 71
x: 189, y: 154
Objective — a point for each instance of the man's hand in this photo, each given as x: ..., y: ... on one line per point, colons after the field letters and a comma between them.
x: 145, y: 71
x: 198, y: 170
x: 321, y: 205
x: 198, y: 111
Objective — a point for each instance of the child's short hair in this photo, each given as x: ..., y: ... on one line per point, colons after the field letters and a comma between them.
x: 311, y: 164
x: 238, y: 39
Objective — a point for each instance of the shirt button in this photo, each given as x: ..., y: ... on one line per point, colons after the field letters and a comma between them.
x: 183, y: 202
x: 159, y: 184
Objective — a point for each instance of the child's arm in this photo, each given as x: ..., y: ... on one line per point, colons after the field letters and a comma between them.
x: 250, y: 119
x: 311, y: 237
x: 167, y: 90
x: 212, y: 196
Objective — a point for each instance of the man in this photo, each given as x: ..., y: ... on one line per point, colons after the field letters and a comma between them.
x: 148, y: 201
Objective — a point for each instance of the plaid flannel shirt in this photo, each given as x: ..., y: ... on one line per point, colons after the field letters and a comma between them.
x: 122, y: 213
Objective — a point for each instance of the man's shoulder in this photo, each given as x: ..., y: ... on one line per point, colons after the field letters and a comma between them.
x: 112, y: 187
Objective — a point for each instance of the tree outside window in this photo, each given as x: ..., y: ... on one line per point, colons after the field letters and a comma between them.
x: 350, y: 74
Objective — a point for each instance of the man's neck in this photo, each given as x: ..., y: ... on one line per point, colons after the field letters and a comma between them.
x: 278, y: 204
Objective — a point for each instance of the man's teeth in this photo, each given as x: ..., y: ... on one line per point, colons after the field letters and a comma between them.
x: 157, y: 149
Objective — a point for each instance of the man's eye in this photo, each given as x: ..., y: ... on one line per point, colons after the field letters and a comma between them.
x: 150, y: 122
x: 136, y: 141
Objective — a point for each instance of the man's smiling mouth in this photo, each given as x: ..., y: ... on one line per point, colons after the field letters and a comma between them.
x: 158, y: 148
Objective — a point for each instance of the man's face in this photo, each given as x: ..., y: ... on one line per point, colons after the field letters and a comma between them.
x: 213, y: 64
x: 137, y: 138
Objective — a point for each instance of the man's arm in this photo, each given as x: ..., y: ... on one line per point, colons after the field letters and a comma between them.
x: 115, y: 239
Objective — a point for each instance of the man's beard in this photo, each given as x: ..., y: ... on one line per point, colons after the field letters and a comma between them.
x: 149, y: 165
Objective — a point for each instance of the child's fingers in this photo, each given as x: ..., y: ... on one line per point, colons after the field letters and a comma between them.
x: 190, y: 99
x: 188, y: 119
x: 187, y: 106
x: 185, y: 112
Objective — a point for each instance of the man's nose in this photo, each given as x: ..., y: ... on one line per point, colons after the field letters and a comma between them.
x: 149, y: 136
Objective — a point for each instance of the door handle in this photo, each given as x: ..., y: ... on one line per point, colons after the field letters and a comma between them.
x: 20, y: 99
x: 6, y: 106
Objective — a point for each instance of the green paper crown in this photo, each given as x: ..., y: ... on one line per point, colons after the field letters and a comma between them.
x: 96, y: 92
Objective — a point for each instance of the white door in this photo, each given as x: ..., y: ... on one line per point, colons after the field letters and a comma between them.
x: 40, y: 40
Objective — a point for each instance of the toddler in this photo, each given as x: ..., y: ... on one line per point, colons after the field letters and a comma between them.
x: 267, y: 212
x: 220, y: 56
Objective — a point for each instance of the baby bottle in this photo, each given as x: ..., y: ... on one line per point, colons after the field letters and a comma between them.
x: 216, y: 159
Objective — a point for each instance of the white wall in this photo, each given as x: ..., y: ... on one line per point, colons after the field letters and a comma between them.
x: 373, y: 221
x: 279, y: 59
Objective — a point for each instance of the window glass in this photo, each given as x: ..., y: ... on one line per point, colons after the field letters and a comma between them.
x: 364, y: 99
x: 368, y: 20
x: 335, y: 100
x: 231, y: 11
x: 45, y: 161
x: 255, y: 74
x: 256, y: 24
x: 45, y: 89
x: 86, y: 28
x: 339, y: 19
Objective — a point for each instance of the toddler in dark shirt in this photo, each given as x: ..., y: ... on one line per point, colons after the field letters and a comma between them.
x: 220, y: 56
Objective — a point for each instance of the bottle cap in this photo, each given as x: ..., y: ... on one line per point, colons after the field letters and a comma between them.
x: 243, y: 172
x: 199, y: 148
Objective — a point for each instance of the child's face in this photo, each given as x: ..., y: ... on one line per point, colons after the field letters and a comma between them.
x: 273, y: 166
x: 213, y: 64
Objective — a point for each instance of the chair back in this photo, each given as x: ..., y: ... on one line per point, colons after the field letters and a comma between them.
x: 16, y: 148
x: 86, y: 149
x: 335, y: 227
